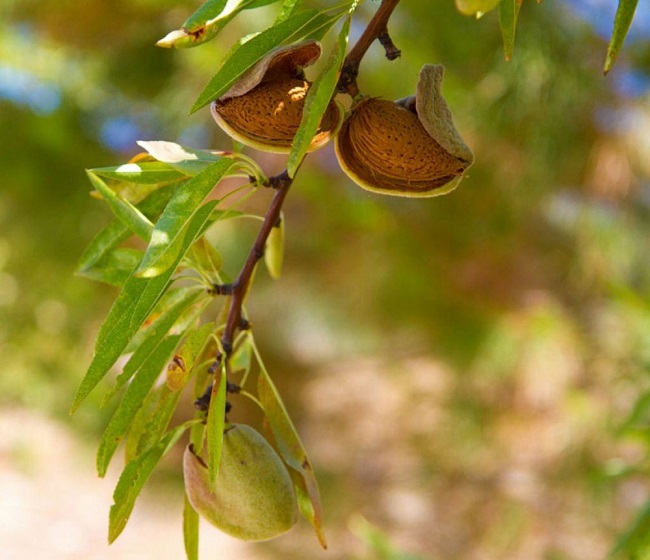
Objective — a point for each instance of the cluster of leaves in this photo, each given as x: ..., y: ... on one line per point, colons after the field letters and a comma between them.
x: 164, y: 313
x: 509, y: 12
x: 159, y: 319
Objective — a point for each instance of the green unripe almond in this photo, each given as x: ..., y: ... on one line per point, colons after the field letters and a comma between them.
x: 254, y: 499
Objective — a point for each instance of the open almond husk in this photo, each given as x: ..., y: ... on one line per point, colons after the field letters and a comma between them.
x: 264, y: 108
x: 408, y: 147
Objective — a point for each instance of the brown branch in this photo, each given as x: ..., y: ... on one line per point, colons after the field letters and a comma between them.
x: 239, y: 288
x: 376, y: 29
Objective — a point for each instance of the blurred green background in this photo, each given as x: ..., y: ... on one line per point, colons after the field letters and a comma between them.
x: 469, y: 373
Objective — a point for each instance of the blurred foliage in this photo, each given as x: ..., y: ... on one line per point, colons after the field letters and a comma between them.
x: 469, y: 372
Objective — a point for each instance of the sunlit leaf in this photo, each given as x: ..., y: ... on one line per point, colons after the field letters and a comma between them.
x: 114, y: 267
x: 243, y: 56
x: 166, y: 238
x: 182, y: 158
x: 290, y: 447
x: 318, y: 99
x: 129, y: 311
x: 204, y: 24
x: 215, y: 426
x: 508, y: 13
x: 206, y: 257
x: 116, y: 232
x: 622, y: 22
x: 159, y: 328
x: 190, y: 531
x: 240, y: 360
x: 150, y: 421
x: 146, y: 173
x: 193, y: 346
x: 134, y: 477
x: 124, y: 211
x: 274, y: 250
x: 476, y: 7
x: 287, y: 9
x: 132, y: 400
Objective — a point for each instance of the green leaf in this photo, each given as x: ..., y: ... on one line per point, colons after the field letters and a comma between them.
x: 290, y: 447
x: 206, y: 257
x: 150, y: 421
x: 129, y: 311
x: 190, y: 531
x: 243, y: 56
x: 193, y: 346
x: 116, y: 232
x: 166, y: 238
x: 274, y: 249
x: 287, y: 9
x: 206, y: 23
x: 622, y: 22
x: 134, y: 477
x: 508, y: 13
x: 114, y: 267
x: 132, y: 400
x: 318, y: 99
x: 185, y: 160
x: 183, y: 299
x: 476, y: 7
x: 124, y: 211
x: 144, y: 173
x: 216, y: 423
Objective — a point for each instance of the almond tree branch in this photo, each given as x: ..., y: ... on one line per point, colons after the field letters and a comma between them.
x: 239, y: 288
x: 376, y: 29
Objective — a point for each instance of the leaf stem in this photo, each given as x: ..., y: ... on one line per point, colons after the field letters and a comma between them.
x: 376, y: 29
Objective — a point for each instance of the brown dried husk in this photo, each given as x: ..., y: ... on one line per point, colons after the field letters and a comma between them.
x: 268, y: 116
x: 405, y: 148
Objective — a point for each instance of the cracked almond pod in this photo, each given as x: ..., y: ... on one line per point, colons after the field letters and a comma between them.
x: 408, y: 147
x: 254, y: 499
x: 264, y: 108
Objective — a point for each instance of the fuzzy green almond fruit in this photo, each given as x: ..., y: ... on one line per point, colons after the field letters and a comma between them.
x: 254, y: 499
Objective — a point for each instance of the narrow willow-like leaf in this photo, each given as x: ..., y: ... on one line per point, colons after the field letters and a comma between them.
x: 207, y: 11
x: 124, y: 211
x: 508, y: 12
x: 318, y: 99
x: 167, y: 236
x: 132, y: 400
x: 243, y: 56
x: 193, y: 345
x: 290, y: 447
x: 182, y: 158
x: 129, y: 311
x: 288, y: 8
x: 206, y: 257
x: 274, y: 250
x: 114, y: 267
x: 150, y: 421
x: 144, y: 173
x: 240, y: 360
x: 160, y: 327
x: 116, y: 232
x: 190, y: 531
x: 197, y: 29
x: 134, y: 477
x: 622, y: 22
x: 476, y: 7
x: 216, y: 423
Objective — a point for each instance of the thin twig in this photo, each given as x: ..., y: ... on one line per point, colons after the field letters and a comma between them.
x: 239, y: 288
x: 376, y: 29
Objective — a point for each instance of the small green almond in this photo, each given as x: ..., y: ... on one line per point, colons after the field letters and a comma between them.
x: 254, y: 499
